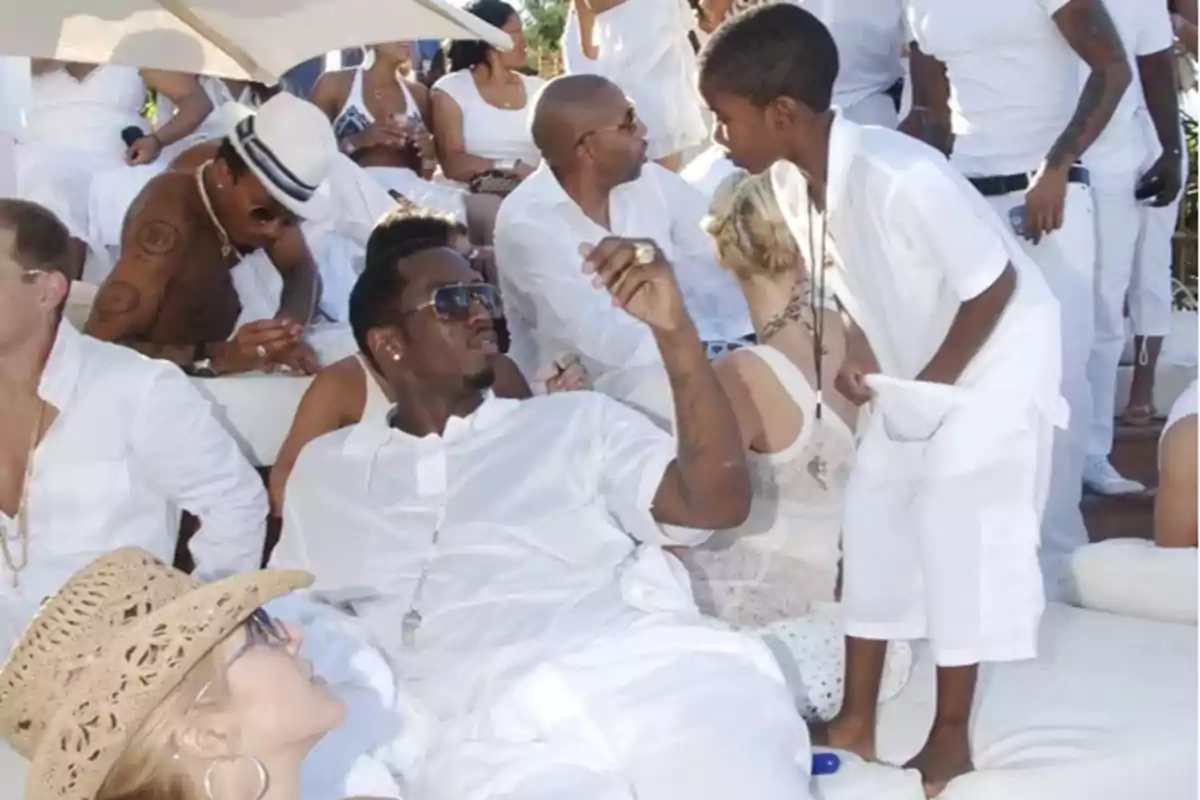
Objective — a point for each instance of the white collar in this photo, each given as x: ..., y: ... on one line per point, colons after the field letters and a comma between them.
x: 60, y: 376
x: 373, y: 433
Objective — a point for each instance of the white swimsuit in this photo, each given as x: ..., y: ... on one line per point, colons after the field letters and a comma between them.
x: 354, y: 117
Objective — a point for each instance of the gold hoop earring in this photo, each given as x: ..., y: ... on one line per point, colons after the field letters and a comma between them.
x: 259, y: 767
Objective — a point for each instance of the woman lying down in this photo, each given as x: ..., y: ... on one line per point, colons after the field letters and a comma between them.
x: 135, y: 682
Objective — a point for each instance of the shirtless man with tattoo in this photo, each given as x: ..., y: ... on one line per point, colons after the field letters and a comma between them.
x: 171, y: 293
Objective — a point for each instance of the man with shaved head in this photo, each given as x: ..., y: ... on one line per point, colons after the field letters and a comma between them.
x: 594, y: 181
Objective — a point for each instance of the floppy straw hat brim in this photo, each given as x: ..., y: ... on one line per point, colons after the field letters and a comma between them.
x: 317, y: 207
x: 128, y: 678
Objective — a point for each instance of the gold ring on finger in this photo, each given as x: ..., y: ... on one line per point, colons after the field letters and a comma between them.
x: 644, y: 253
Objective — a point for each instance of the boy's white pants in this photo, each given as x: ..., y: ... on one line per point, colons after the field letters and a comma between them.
x: 942, y: 526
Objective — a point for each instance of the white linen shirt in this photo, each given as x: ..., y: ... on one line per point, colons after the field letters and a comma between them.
x: 1014, y: 80
x: 525, y: 517
x: 551, y: 306
x: 131, y: 445
x: 1122, y: 146
x: 911, y: 241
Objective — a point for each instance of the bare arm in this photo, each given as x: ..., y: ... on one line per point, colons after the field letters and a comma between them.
x: 1088, y: 28
x: 1183, y: 17
x: 40, y: 66
x: 128, y: 301
x: 323, y: 408
x: 1175, y: 502
x: 707, y: 485
x: 329, y: 93
x: 293, y: 259
x: 969, y: 331
x: 192, y: 104
x: 929, y: 119
x: 457, y: 163
x: 587, y: 28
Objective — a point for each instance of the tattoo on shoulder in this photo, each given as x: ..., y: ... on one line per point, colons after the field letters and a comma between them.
x: 158, y: 238
x: 117, y: 298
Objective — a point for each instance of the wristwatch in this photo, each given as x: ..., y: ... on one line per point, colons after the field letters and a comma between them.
x: 201, y: 366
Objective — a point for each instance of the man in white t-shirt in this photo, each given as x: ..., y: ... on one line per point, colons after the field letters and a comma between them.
x: 1129, y: 171
x: 594, y: 181
x: 1017, y: 127
x: 942, y: 508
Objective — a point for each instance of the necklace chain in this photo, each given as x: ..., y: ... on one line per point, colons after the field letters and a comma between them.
x: 818, y: 263
x: 227, y: 248
x: 11, y: 563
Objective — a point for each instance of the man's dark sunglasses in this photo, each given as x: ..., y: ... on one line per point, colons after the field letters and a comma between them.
x: 453, y: 301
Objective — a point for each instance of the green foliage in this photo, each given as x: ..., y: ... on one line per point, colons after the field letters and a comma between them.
x: 544, y: 23
x: 1185, y: 267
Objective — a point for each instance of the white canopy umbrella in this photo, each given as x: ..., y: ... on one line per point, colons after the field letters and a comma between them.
x: 242, y: 39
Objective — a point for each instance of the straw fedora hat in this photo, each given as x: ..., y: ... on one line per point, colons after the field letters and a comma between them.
x: 103, y: 652
x: 289, y: 145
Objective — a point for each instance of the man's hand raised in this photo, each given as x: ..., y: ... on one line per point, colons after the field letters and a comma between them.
x: 640, y: 280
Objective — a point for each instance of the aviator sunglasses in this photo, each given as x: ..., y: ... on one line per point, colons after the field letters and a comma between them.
x: 453, y: 301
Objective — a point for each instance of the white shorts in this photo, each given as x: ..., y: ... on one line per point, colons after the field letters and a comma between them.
x: 941, y: 536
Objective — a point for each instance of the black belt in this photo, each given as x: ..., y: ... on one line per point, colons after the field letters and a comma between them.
x: 996, y: 185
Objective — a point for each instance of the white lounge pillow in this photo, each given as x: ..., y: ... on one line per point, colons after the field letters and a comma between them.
x: 1135, y: 578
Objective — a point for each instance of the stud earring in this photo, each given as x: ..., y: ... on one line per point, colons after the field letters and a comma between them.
x: 395, y: 356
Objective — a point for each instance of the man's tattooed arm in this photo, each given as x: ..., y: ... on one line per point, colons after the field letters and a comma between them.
x: 130, y: 297
x: 1088, y: 28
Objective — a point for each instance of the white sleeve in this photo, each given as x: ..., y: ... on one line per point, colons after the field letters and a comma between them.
x: 712, y: 293
x: 929, y: 210
x: 543, y: 266
x: 1155, y: 33
x: 185, y: 453
x: 634, y: 454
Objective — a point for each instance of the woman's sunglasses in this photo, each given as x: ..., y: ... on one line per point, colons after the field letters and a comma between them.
x: 262, y: 630
x: 453, y: 301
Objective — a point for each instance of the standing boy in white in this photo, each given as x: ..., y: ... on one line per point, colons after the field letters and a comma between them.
x: 943, y: 508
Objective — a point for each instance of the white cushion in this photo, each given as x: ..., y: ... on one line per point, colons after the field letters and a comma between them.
x: 1134, y: 578
x: 1106, y: 712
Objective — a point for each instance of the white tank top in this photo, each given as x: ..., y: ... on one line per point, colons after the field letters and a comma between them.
x: 784, y: 558
x: 376, y: 403
x: 490, y: 132
x: 88, y: 114
x: 355, y: 117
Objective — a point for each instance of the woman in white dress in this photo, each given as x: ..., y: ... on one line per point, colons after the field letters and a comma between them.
x: 643, y: 47
x: 79, y: 118
x: 481, y: 108
x: 777, y: 573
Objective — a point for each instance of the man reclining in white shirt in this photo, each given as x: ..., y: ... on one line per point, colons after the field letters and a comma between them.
x: 100, y: 447
x: 506, y: 554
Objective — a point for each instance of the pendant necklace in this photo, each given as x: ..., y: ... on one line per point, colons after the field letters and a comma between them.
x: 818, y: 468
x: 11, y: 564
x: 227, y: 248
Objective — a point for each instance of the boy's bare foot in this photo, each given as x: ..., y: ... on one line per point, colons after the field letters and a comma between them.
x: 945, y: 756
x: 849, y: 733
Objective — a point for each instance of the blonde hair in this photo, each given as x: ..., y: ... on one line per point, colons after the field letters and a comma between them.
x: 747, y: 224
x: 147, y: 768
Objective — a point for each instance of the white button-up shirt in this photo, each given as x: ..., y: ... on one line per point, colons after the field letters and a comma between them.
x: 524, y: 518
x: 1014, y: 79
x: 910, y: 241
x: 1144, y: 28
x: 551, y: 306
x: 131, y: 445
